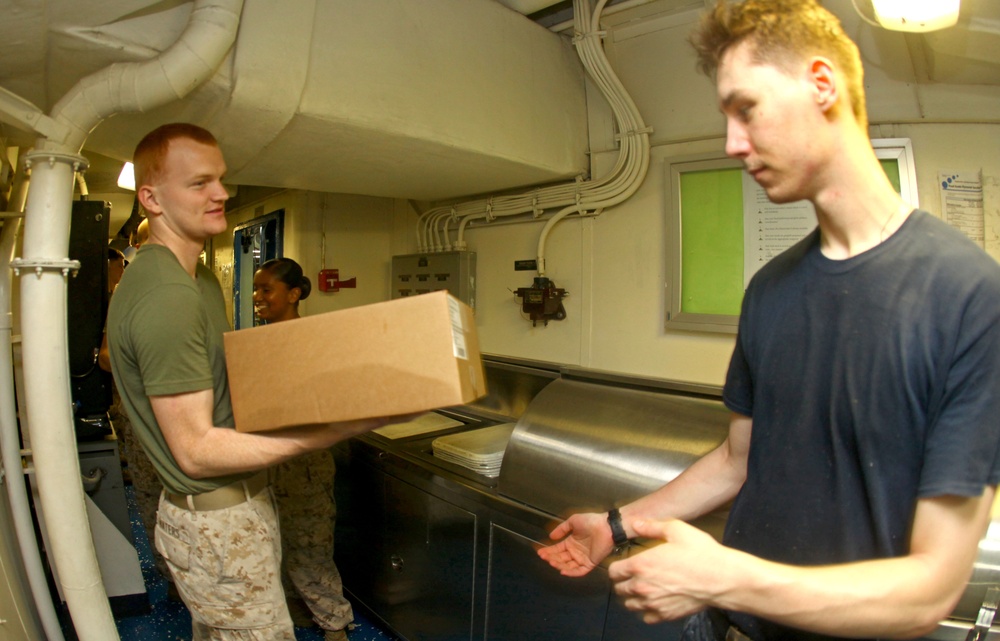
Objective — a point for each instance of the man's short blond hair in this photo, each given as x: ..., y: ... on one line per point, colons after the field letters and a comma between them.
x: 781, y: 33
x: 152, y: 149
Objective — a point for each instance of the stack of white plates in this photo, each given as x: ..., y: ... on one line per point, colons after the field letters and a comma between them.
x: 478, y: 450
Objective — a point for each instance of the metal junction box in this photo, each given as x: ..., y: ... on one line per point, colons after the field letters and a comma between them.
x: 455, y: 271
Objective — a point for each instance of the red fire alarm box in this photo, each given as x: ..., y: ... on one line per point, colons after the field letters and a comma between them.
x: 329, y: 281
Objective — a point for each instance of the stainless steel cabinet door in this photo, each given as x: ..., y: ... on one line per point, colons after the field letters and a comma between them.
x: 409, y: 557
x: 527, y: 599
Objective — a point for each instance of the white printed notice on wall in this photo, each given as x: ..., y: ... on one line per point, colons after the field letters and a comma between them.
x: 962, y: 202
x: 769, y: 229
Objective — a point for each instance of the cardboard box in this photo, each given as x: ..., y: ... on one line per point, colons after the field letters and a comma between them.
x: 407, y: 355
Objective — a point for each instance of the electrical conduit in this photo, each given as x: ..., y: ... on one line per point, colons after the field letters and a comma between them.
x: 580, y: 197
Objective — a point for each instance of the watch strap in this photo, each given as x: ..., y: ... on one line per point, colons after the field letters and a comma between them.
x: 618, y: 534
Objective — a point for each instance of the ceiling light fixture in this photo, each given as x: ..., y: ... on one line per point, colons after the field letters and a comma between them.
x: 916, y: 15
x: 126, y: 179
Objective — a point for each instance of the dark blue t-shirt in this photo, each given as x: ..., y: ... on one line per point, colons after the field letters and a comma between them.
x: 872, y: 382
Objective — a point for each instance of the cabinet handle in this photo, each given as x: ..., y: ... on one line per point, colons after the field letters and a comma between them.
x: 397, y: 562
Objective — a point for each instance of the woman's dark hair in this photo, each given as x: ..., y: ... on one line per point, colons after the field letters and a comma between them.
x: 290, y: 273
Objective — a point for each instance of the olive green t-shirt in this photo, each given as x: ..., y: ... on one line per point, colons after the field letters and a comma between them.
x: 165, y: 337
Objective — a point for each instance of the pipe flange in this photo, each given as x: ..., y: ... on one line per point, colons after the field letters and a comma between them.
x: 78, y: 162
x: 66, y: 266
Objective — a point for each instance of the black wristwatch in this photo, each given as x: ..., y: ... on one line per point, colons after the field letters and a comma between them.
x: 618, y: 535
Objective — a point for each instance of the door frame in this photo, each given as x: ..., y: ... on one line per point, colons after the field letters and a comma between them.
x: 254, y: 242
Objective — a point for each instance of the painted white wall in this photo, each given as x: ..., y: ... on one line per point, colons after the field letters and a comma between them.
x: 614, y: 265
x: 362, y: 234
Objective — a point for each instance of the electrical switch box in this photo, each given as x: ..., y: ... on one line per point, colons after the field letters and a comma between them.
x: 454, y: 272
x: 329, y: 281
x: 542, y: 301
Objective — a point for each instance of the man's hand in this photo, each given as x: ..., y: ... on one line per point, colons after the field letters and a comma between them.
x: 324, y: 435
x: 674, y: 579
x: 584, y: 541
x: 346, y: 429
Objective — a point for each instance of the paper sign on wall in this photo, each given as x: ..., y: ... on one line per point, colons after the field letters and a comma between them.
x: 768, y: 228
x: 962, y: 201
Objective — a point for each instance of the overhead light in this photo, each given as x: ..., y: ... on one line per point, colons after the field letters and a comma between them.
x: 916, y: 15
x: 126, y: 179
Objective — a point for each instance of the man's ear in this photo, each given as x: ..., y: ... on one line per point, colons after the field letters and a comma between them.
x: 147, y: 198
x: 824, y: 83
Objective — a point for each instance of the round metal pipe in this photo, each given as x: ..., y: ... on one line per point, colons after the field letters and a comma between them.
x: 9, y: 443
x: 47, y: 389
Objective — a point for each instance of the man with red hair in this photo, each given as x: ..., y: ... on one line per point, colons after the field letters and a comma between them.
x: 216, y: 524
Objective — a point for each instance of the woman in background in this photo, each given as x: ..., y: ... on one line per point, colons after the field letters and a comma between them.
x: 303, y: 486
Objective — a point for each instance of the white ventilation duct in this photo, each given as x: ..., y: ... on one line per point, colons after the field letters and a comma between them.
x: 428, y: 101
x: 127, y: 87
x: 120, y: 87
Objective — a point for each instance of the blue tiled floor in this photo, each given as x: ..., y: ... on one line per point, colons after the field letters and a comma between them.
x: 170, y: 621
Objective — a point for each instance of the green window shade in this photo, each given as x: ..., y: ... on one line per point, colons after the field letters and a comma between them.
x: 712, y: 245
x: 891, y: 168
x: 706, y: 243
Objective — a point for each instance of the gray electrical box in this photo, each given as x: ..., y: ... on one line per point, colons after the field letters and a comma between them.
x: 414, y: 274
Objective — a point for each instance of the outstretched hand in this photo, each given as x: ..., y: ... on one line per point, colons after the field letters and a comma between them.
x: 583, y: 542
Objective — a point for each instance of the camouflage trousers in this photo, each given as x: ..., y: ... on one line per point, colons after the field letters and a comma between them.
x: 227, y: 567
x: 145, y: 483
x: 303, y: 489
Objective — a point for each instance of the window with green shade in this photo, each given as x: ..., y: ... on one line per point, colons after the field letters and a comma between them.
x: 705, y: 239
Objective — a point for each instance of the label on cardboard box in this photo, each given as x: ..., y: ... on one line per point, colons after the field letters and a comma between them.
x: 457, y: 331
x: 402, y: 356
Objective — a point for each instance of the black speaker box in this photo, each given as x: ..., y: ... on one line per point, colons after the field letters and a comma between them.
x: 87, y: 307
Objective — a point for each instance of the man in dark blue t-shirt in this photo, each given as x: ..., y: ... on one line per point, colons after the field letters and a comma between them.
x: 864, y: 450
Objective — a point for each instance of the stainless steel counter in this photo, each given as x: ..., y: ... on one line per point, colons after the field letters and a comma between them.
x: 438, y: 551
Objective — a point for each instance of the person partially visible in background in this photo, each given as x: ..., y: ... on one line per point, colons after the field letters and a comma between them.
x: 137, y: 238
x: 116, y: 267
x: 303, y: 487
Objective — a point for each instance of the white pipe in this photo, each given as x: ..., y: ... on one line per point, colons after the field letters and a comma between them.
x: 81, y: 182
x: 140, y: 86
x: 615, y: 8
x: 196, y: 55
x: 47, y: 387
x: 10, y: 447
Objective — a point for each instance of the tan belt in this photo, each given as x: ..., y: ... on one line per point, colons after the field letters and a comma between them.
x: 226, y: 496
x: 735, y: 634
x: 720, y: 621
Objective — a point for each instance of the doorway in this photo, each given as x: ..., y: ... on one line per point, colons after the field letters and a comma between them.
x: 254, y: 243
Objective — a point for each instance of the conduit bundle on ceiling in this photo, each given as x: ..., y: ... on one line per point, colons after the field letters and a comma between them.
x: 582, y: 197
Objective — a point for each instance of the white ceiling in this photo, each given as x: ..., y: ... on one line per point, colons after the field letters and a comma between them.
x: 427, y: 101
x: 434, y: 100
